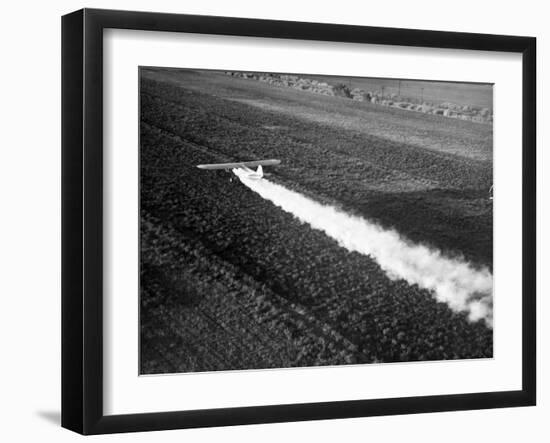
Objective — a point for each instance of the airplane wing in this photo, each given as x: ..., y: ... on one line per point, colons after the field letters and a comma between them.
x: 251, y: 164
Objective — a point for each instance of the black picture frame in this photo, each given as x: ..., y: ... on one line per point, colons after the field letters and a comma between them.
x: 82, y: 215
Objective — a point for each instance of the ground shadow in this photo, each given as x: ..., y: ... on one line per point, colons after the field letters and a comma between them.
x: 54, y: 417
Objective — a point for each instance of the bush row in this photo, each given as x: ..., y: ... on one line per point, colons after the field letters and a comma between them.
x: 447, y: 109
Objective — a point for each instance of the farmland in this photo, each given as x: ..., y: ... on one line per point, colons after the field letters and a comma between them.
x: 230, y: 281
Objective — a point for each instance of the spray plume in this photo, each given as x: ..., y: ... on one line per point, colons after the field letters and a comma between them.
x: 452, y: 281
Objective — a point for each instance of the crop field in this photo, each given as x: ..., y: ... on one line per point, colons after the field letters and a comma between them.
x: 229, y: 280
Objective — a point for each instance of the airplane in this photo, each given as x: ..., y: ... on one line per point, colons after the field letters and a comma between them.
x: 244, y: 167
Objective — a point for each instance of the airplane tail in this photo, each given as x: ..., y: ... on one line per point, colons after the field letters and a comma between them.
x: 260, y: 171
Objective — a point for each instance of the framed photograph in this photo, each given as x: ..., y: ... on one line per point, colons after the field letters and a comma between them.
x: 269, y: 221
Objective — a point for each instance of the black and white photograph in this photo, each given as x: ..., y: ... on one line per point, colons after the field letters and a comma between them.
x: 261, y: 222
x: 296, y: 220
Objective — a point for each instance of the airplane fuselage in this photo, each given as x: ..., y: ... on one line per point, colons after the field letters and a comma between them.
x: 251, y: 174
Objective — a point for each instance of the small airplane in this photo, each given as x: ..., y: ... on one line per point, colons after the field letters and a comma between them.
x: 244, y: 167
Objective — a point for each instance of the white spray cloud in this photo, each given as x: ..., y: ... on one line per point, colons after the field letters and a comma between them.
x: 452, y: 281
